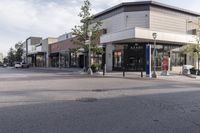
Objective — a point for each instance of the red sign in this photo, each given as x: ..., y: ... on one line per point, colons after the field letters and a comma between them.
x: 165, y: 63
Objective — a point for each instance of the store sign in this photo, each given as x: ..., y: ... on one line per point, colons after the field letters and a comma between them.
x: 148, y: 60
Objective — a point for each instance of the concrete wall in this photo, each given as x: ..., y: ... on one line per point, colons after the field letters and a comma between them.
x: 31, y: 42
x: 159, y: 19
x: 167, y: 20
x: 109, y: 57
x: 46, y: 42
x: 45, y: 48
x: 126, y: 20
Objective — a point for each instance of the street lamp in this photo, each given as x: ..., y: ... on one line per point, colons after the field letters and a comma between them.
x: 154, y: 74
x: 90, y: 72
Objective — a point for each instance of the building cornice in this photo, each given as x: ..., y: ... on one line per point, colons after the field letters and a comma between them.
x: 140, y: 6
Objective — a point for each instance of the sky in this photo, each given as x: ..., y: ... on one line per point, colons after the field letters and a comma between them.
x: 20, y: 19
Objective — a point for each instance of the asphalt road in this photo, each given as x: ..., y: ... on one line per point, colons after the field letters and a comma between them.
x: 30, y: 102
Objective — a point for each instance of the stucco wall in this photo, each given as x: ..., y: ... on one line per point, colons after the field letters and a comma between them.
x: 166, y: 20
x: 126, y: 20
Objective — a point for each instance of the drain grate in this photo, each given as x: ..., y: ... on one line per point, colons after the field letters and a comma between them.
x: 156, y: 120
x: 87, y: 99
x: 99, y: 90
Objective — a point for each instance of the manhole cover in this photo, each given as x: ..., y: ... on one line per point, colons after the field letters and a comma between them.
x: 88, y: 99
x: 99, y: 90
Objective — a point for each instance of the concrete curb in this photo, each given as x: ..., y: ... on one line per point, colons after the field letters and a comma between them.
x: 192, y: 76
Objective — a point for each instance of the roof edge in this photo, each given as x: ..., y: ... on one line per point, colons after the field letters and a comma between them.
x: 154, y: 3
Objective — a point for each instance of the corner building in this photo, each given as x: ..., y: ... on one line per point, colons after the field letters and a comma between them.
x: 129, y: 28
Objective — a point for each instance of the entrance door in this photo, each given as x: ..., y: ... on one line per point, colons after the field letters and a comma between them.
x: 134, y: 58
x: 81, y: 61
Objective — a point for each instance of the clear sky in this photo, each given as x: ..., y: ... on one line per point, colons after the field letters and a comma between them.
x: 20, y: 19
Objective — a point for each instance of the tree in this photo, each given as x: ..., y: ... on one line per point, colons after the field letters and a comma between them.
x: 193, y: 49
x: 190, y: 49
x: 88, y: 24
x: 11, y: 56
x: 19, y: 52
x: 5, y: 60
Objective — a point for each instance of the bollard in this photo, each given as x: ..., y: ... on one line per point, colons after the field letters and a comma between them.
x: 124, y: 72
x: 104, y: 69
x: 141, y: 74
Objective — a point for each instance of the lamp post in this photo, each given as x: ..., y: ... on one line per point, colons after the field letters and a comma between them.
x: 154, y: 74
x: 90, y: 72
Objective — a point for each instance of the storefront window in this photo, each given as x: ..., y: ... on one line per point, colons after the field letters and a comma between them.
x: 55, y: 61
x: 74, y: 60
x: 164, y: 51
x: 40, y: 61
x: 177, y: 59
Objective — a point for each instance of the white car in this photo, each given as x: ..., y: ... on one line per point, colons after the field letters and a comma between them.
x: 5, y: 65
x: 18, y: 65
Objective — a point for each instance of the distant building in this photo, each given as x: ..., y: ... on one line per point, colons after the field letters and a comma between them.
x: 29, y: 47
x: 63, y: 53
x: 36, y: 51
x: 65, y: 37
x: 1, y: 58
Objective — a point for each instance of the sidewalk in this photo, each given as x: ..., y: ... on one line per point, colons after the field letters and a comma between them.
x: 172, y: 77
x: 57, y: 69
x: 131, y: 75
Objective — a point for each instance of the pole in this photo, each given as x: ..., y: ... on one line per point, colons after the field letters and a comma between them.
x: 84, y: 66
x: 59, y: 60
x: 90, y: 72
x: 89, y: 52
x: 154, y: 75
x: 154, y: 55
x: 124, y: 73
x: 104, y: 69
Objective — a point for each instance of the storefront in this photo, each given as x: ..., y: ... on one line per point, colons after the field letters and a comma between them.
x: 37, y: 59
x: 65, y: 54
x: 132, y: 56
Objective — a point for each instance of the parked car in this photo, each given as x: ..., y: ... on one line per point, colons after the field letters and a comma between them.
x: 18, y: 65
x: 24, y: 65
x: 5, y: 65
x: 21, y: 65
